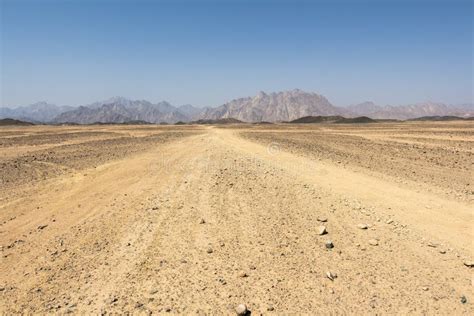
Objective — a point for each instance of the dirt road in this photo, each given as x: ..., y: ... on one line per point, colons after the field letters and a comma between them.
x: 205, y: 221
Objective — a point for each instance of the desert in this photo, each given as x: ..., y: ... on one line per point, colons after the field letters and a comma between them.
x: 200, y: 219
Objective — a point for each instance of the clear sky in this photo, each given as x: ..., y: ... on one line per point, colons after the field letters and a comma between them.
x: 208, y: 52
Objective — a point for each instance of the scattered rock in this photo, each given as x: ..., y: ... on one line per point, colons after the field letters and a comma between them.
x: 362, y: 226
x: 243, y: 274
x: 209, y: 250
x: 442, y: 251
x: 432, y: 245
x: 463, y: 299
x: 425, y: 288
x: 112, y: 300
x: 40, y: 227
x: 322, y: 230
x: 331, y: 275
x: 329, y: 244
x: 270, y: 308
x: 241, y: 309
x: 469, y: 264
x: 390, y: 221
x: 373, y: 242
x: 322, y: 219
x: 202, y: 221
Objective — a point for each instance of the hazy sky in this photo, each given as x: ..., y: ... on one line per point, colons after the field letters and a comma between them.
x: 209, y: 52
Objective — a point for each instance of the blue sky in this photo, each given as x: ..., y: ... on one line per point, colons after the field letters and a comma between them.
x: 208, y: 52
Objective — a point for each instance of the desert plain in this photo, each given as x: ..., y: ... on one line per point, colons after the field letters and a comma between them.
x: 287, y: 219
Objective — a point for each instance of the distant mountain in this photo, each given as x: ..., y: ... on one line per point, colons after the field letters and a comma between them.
x: 38, y: 112
x: 282, y: 106
x: 190, y: 111
x: 296, y: 104
x: 403, y: 112
x: 364, y: 108
x: 138, y: 105
x: 273, y: 107
x: 122, y: 110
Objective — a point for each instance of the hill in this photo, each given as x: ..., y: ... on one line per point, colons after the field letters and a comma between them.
x: 9, y: 122
x: 356, y: 120
x: 441, y: 118
x: 218, y: 121
x: 317, y: 119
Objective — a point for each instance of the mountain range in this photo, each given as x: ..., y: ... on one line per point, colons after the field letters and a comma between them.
x: 404, y: 112
x: 271, y: 107
x: 40, y: 112
x: 121, y: 110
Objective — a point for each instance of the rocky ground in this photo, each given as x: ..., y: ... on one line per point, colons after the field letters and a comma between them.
x: 284, y: 219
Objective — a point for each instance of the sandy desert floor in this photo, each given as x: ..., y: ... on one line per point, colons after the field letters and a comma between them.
x: 199, y: 219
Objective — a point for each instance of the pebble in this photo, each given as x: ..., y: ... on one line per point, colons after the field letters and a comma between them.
x: 390, y: 221
x: 329, y: 244
x: 331, y: 275
x: 202, y: 221
x: 463, y: 299
x: 40, y: 227
x: 243, y: 274
x: 322, y: 230
x: 469, y: 264
x: 241, y: 309
x: 425, y: 288
x: 362, y: 226
x: 209, y: 250
x: 112, y: 300
x: 373, y: 242
x: 270, y: 308
x: 322, y: 219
